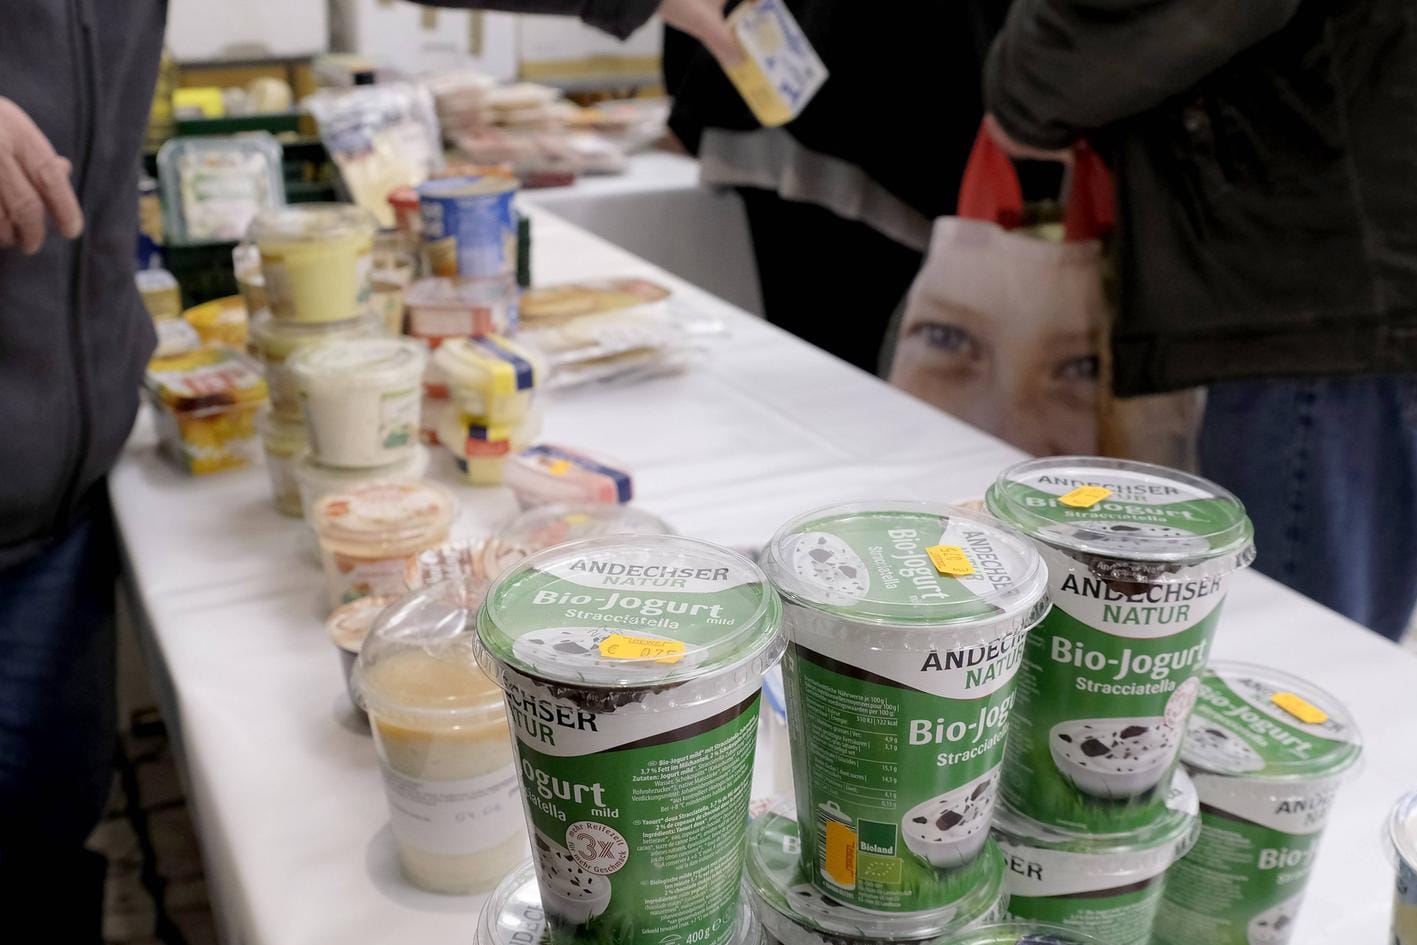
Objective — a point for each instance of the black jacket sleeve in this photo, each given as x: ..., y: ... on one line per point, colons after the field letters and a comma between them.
x: 1061, y: 67
x: 619, y: 18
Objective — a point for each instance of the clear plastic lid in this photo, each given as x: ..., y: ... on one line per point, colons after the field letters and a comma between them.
x: 513, y: 915
x: 1022, y: 933
x: 350, y: 623
x: 385, y: 513
x: 631, y: 612
x: 552, y: 525
x: 444, y: 188
x: 1122, y: 509
x: 1099, y: 862
x: 361, y: 362
x: 213, y: 186
x: 474, y: 563
x: 311, y: 223
x: 207, y: 377
x: 492, y: 365
x: 419, y: 663
x: 909, y: 564
x: 1400, y: 834
x: 1259, y: 723
x: 318, y: 480
x: 788, y: 902
x: 550, y: 473
x: 276, y: 339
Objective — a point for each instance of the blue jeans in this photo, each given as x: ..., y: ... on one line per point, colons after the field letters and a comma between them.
x: 1327, y: 468
x: 57, y: 723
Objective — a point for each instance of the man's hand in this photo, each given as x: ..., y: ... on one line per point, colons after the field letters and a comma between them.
x: 33, y: 180
x: 703, y: 20
x: 1017, y: 149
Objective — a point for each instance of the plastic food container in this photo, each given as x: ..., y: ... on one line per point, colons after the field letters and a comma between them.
x: 275, y: 341
x: 404, y: 201
x: 550, y: 525
x: 284, y: 440
x: 1098, y: 885
x: 1022, y: 933
x: 469, y: 226
x: 316, y: 259
x: 1401, y: 845
x: 441, y: 734
x: 546, y: 474
x: 794, y: 912
x: 220, y: 322
x: 470, y: 563
x: 175, y: 336
x: 780, y: 71
x: 906, y: 623
x: 361, y: 399
x: 207, y: 402
x: 569, y: 300
x: 317, y: 481
x: 493, y: 378
x: 369, y: 532
x: 161, y: 296
x: 250, y: 283
x: 347, y: 628
x: 1268, y: 752
x: 1138, y: 562
x: 632, y: 668
x: 440, y: 309
x: 513, y: 915
x: 212, y: 187
x: 480, y: 449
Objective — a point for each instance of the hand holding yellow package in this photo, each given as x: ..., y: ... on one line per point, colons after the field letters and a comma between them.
x: 780, y: 71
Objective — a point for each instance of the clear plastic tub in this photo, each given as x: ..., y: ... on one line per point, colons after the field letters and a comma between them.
x: 275, y: 342
x: 317, y: 481
x: 212, y: 187
x: 493, y: 378
x: 1138, y: 557
x: 547, y: 474
x: 250, y: 283
x: 441, y: 309
x: 206, y: 404
x: 793, y: 912
x: 161, y: 295
x: 368, y: 534
x: 1022, y: 933
x: 632, y: 668
x: 316, y: 259
x: 1268, y: 753
x: 361, y: 399
x: 284, y: 441
x: 1098, y: 885
x: 347, y: 629
x: 1400, y: 843
x: 907, y: 622
x: 440, y: 728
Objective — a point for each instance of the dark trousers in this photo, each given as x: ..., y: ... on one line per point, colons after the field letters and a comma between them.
x: 831, y: 281
x: 1327, y: 468
x: 57, y: 727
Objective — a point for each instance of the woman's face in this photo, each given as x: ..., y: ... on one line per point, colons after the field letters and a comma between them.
x: 1028, y: 377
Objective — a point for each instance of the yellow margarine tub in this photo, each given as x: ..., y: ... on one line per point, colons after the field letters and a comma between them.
x: 220, y: 322
x: 206, y: 405
x: 316, y: 259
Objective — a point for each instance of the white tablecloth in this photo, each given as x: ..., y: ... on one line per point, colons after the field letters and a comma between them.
x: 283, y: 782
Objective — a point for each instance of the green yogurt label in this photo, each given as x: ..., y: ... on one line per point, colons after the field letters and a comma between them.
x: 899, y: 681
x: 632, y: 669
x: 1109, y: 677
x: 1267, y: 780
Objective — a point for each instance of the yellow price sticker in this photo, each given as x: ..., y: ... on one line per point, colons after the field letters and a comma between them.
x: 559, y: 468
x: 1085, y: 497
x: 950, y: 559
x: 1299, y: 707
x: 575, y: 518
x: 840, y: 858
x: 618, y: 646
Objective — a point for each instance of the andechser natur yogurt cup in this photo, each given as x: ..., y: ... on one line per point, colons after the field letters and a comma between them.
x: 632, y: 667
x: 1023, y: 933
x: 1104, y: 886
x: 1268, y: 753
x: 795, y: 912
x: 1401, y: 842
x: 906, y: 623
x: 1138, y: 562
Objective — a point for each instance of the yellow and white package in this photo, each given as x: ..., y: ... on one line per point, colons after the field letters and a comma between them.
x: 481, y: 448
x: 780, y: 71
x: 207, y: 402
x: 493, y: 378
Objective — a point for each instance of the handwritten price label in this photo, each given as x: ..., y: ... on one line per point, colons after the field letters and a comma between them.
x: 1085, y: 497
x: 620, y: 647
x: 950, y: 559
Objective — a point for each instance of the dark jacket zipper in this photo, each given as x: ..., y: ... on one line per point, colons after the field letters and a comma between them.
x: 85, y: 93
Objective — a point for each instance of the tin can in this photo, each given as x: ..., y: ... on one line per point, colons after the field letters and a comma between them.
x: 469, y: 227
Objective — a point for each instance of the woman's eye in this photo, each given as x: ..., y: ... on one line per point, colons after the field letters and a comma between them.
x: 1078, y: 369
x: 947, y: 337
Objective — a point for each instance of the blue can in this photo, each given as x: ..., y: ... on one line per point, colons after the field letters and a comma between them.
x: 469, y: 227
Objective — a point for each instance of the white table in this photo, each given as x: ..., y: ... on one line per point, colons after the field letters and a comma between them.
x: 658, y: 210
x: 283, y: 782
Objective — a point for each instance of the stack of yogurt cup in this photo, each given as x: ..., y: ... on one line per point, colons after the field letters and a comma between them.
x: 313, y: 274
x: 905, y: 625
x: 1093, y: 807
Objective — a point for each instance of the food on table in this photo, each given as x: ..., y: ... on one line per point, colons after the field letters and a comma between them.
x: 250, y: 283
x: 481, y: 448
x: 469, y: 226
x: 347, y: 628
x: 493, y: 378
x: 220, y: 322
x: 315, y: 260
x: 206, y: 405
x: 213, y: 186
x: 275, y: 342
x: 284, y: 441
x: 361, y: 399
x: 161, y: 296
x: 442, y: 310
x: 547, y: 474
x: 316, y: 480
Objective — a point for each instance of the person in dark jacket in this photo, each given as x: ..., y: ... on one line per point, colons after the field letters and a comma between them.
x: 76, y: 84
x: 1265, y: 153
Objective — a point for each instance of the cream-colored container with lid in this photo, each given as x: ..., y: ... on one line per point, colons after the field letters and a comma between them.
x: 440, y: 729
x: 347, y: 629
x: 368, y: 534
x: 284, y: 440
x: 361, y: 399
x: 275, y: 342
x: 316, y: 481
x: 316, y: 259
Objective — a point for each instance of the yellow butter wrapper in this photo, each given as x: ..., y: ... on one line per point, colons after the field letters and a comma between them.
x: 780, y: 71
